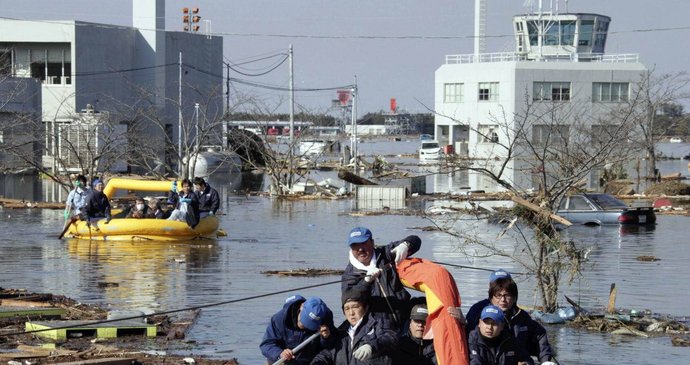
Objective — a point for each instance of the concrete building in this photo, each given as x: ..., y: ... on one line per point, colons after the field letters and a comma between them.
x: 89, y: 68
x: 559, y: 62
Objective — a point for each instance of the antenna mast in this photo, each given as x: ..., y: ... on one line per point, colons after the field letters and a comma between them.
x: 479, y: 27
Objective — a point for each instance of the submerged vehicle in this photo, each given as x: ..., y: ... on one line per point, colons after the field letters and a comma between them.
x: 137, y: 229
x: 429, y: 150
x: 600, y: 209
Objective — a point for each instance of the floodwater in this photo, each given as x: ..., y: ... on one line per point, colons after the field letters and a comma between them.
x: 266, y: 234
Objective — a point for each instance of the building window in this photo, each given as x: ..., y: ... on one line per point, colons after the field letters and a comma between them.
x: 550, y: 134
x: 556, y: 91
x: 487, y: 133
x: 610, y: 92
x: 488, y: 91
x: 452, y: 93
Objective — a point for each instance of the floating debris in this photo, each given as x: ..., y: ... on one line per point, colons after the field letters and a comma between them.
x: 647, y: 258
x: 303, y: 272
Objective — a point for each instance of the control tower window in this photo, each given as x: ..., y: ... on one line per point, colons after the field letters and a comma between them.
x: 555, y: 91
x: 610, y: 92
x: 586, y: 28
x: 488, y: 91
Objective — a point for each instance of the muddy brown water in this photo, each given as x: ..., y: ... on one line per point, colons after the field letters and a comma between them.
x: 266, y: 234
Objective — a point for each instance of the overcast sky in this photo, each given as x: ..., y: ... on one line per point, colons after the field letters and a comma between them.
x: 393, y: 47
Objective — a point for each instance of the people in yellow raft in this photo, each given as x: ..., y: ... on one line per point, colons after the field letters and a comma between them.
x: 491, y: 344
x: 372, y: 269
x: 97, y: 205
x: 363, y: 338
x: 528, y: 333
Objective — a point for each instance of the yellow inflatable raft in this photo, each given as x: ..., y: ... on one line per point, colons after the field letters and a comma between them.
x: 135, y: 229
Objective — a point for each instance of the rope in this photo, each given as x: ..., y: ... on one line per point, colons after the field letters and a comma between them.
x: 386, y: 267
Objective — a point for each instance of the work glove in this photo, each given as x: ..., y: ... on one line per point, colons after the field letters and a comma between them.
x: 363, y: 353
x: 66, y: 214
x: 400, y: 252
x: 211, y: 213
x: 372, y: 274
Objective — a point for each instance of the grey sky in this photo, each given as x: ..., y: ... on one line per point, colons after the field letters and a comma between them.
x: 385, y: 67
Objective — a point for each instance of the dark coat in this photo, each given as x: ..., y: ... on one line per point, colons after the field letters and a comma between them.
x: 414, y: 351
x: 374, y: 331
x: 283, y: 333
x: 528, y: 333
x: 209, y: 200
x: 97, y: 205
x: 192, y: 207
x: 398, y: 297
x: 505, y: 351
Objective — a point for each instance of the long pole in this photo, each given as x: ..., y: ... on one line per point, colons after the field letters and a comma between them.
x: 299, y: 347
x: 179, y: 117
x: 292, y: 115
x: 354, y: 124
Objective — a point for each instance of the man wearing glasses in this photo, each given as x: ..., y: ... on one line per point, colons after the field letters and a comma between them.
x: 529, y: 334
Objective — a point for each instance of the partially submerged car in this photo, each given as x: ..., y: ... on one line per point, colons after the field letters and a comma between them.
x: 429, y: 150
x: 599, y: 208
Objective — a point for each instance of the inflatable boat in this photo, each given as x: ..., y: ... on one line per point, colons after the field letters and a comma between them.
x: 137, y: 229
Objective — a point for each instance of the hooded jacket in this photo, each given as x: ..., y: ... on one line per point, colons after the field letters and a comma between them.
x: 283, y: 333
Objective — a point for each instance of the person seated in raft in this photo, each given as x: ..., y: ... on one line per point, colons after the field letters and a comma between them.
x: 528, y: 333
x: 362, y: 339
x: 76, y: 197
x: 489, y: 344
x: 372, y: 269
x: 209, y: 200
x: 187, y: 209
x: 154, y: 209
x: 413, y: 349
x: 138, y: 210
x: 97, y: 205
x: 298, y: 320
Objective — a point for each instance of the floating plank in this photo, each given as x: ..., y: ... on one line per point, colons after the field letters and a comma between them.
x: 10, y: 312
x: 102, y: 361
x: 61, y: 330
x: 612, y: 299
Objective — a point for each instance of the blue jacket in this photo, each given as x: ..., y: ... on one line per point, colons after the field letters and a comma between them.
x: 398, y: 297
x: 209, y: 200
x: 504, y: 351
x: 528, y: 333
x: 414, y: 351
x: 97, y: 205
x: 375, y: 331
x: 283, y: 333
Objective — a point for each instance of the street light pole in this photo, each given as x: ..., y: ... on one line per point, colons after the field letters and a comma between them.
x: 179, y: 117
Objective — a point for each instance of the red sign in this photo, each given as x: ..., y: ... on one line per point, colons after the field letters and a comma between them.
x: 344, y: 96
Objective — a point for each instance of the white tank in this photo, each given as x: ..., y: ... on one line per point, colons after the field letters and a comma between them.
x: 212, y: 162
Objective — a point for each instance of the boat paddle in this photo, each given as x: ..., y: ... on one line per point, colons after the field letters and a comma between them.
x: 67, y: 224
x: 299, y: 347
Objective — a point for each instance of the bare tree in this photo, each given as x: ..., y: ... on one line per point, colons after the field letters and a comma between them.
x: 549, y: 148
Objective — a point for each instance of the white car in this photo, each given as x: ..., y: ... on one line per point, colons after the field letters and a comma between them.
x: 429, y: 151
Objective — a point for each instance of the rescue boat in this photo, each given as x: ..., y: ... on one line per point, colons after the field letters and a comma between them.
x: 138, y: 229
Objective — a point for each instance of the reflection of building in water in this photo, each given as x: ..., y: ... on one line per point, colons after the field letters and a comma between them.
x: 140, y: 274
x: 559, y: 68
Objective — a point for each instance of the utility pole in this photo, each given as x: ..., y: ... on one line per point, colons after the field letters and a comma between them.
x: 179, y: 117
x: 292, y: 116
x: 227, y: 88
x: 354, y: 124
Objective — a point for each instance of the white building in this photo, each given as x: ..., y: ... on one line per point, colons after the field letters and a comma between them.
x: 559, y: 60
x: 106, y: 68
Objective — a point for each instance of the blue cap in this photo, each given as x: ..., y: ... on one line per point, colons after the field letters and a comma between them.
x: 493, y: 312
x: 358, y: 235
x: 96, y: 182
x: 499, y: 274
x: 313, y: 313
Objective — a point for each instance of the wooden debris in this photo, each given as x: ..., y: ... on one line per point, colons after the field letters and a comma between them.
x: 678, y: 341
x: 647, y: 258
x: 303, y: 272
x: 179, y: 330
x: 353, y: 178
x: 612, y: 299
x: 540, y: 210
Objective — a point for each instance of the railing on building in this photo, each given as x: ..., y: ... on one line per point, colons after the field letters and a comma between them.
x: 515, y: 57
